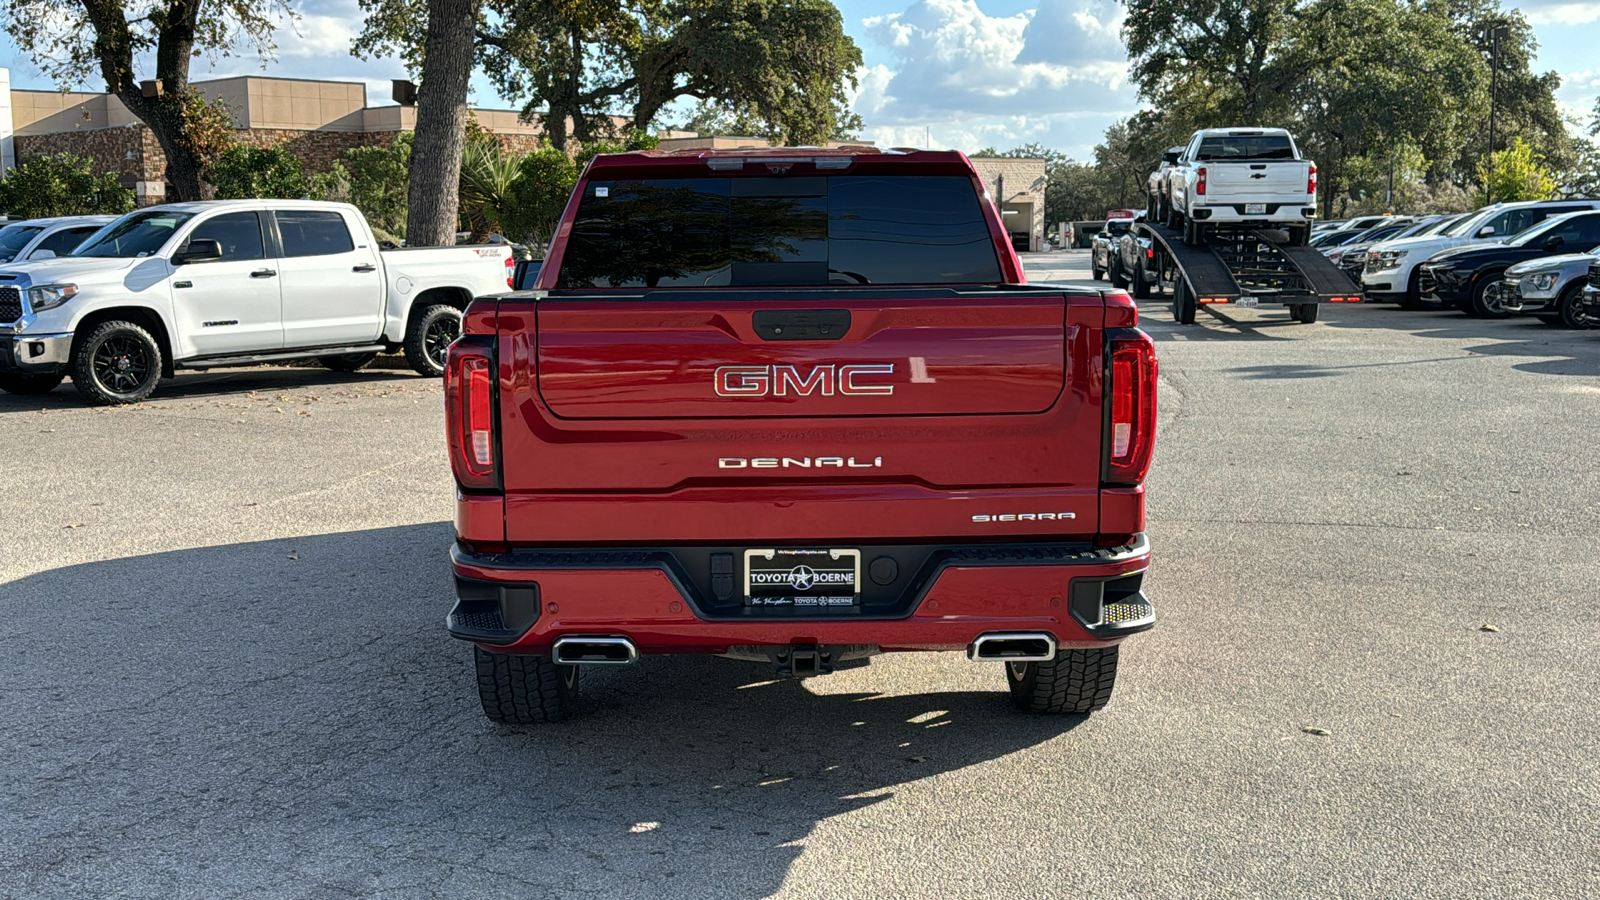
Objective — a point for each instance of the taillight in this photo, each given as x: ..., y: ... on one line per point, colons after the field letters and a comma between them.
x: 511, y: 270
x: 1311, y: 180
x: 1200, y: 181
x: 1132, y: 392
x: 469, y: 415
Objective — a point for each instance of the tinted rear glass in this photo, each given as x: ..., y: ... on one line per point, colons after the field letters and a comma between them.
x: 313, y: 233
x: 1119, y: 226
x: 1258, y: 146
x: 796, y: 231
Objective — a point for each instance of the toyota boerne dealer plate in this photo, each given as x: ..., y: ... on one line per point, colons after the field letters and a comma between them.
x: 802, y: 578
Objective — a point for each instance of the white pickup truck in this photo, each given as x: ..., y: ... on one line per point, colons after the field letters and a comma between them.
x: 231, y: 283
x: 1244, y: 178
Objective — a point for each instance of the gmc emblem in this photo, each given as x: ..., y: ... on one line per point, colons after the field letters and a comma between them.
x: 784, y: 381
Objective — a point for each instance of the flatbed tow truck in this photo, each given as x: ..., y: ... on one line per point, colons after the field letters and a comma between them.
x: 1244, y: 266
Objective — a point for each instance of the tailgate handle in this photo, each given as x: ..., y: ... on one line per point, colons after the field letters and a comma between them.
x: 801, y: 324
x: 1258, y: 165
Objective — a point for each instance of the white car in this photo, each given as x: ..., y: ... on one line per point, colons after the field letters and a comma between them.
x: 1248, y: 177
x: 45, y: 238
x: 1551, y: 288
x: 1391, y: 273
x: 228, y: 283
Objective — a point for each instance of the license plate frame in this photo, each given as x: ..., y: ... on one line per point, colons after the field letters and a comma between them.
x: 802, y: 577
x: 1255, y: 209
x: 1247, y: 300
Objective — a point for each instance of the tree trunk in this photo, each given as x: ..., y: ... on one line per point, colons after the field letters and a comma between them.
x: 435, y: 197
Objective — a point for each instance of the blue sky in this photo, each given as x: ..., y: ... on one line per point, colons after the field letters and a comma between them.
x: 958, y: 73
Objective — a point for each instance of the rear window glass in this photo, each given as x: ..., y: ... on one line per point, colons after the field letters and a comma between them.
x: 797, y: 231
x: 1119, y: 226
x: 313, y: 233
x: 1255, y: 146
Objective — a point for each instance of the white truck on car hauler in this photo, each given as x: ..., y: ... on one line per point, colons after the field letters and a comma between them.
x: 1235, y: 218
x: 1241, y: 178
x: 231, y: 283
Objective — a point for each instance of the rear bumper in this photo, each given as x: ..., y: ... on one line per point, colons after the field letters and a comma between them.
x: 35, y: 354
x: 1234, y: 214
x: 521, y: 602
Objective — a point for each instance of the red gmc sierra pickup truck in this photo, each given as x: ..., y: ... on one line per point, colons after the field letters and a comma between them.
x: 796, y: 406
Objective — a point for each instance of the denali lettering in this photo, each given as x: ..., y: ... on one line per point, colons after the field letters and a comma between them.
x: 1026, y: 517
x: 804, y: 462
x: 784, y: 381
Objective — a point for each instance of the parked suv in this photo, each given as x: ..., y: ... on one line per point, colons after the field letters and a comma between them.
x: 1392, y: 273
x: 797, y: 407
x: 1472, y: 278
x: 1551, y: 288
x: 47, y: 238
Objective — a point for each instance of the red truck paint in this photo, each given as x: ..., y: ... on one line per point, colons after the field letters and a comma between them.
x: 638, y: 433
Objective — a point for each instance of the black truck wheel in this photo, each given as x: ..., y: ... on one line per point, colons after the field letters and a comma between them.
x: 1095, y: 270
x: 1077, y: 681
x: 1141, y: 285
x: 525, y: 690
x: 1169, y: 216
x: 347, y: 362
x: 118, y: 362
x: 29, y: 385
x: 1305, y: 313
x: 1118, y: 279
x: 1571, y: 307
x: 1299, y: 235
x: 433, y: 329
x: 1183, y: 303
x: 1194, y: 233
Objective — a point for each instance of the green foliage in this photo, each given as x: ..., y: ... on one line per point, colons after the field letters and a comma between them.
x: 783, y: 65
x: 1517, y: 173
x: 545, y: 179
x: 380, y: 180
x: 487, y: 176
x: 61, y: 185
x: 332, y: 185
x: 258, y: 172
x: 1358, y: 81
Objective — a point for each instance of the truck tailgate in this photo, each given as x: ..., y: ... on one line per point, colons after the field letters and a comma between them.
x: 960, y: 403
x: 1249, y: 180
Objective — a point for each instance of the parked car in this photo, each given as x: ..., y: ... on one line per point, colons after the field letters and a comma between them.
x: 1100, y: 249
x: 1590, y: 302
x: 1242, y: 176
x: 691, y: 447
x: 46, y: 238
x: 1472, y: 278
x: 1351, y: 256
x: 1392, y: 273
x: 228, y: 283
x: 1156, y: 186
x: 1329, y: 239
x: 1551, y: 288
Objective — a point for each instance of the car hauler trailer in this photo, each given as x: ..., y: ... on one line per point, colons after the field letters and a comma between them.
x: 1243, y: 266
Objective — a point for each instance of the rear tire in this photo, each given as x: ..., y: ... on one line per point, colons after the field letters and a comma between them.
x: 1077, y: 681
x: 1305, y: 313
x: 1141, y: 286
x: 1118, y: 280
x: 525, y: 690
x: 1098, y: 273
x: 1299, y: 235
x: 26, y: 385
x: 1163, y: 210
x: 1570, y: 306
x: 118, y: 362
x: 1194, y: 233
x: 1184, y: 303
x: 432, y: 330
x: 347, y: 362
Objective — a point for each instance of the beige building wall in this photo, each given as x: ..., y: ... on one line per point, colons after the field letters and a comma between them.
x: 1018, y: 189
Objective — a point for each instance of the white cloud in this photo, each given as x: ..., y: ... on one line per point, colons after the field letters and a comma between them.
x: 1561, y: 13
x: 317, y: 35
x: 1042, y: 74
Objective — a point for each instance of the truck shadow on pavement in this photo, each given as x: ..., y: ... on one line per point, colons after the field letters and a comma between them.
x: 194, y: 385
x: 288, y: 718
x: 1552, y: 349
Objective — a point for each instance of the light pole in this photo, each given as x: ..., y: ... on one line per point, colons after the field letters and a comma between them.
x: 1495, y: 34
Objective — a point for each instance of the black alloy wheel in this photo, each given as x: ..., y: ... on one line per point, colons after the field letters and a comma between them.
x: 1570, y: 306
x: 1489, y: 294
x: 118, y: 362
x: 428, y: 339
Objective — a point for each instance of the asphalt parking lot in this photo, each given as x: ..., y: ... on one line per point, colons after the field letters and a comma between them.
x: 223, y: 670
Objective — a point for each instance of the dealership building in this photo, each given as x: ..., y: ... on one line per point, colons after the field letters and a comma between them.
x: 318, y: 121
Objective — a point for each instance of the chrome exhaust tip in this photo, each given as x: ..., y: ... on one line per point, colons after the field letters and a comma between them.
x: 594, y: 651
x: 1015, y: 646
